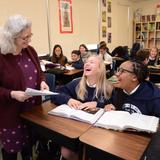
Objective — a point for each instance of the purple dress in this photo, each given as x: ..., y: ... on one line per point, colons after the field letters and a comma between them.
x: 13, y: 139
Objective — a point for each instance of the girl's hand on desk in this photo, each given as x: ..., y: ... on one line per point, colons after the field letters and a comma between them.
x: 88, y: 105
x: 44, y: 86
x: 20, y: 96
x: 109, y: 107
x: 74, y: 103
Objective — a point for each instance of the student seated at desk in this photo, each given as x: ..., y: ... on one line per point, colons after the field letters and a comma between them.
x: 143, y: 56
x: 57, y: 55
x: 153, y: 57
x: 106, y: 56
x: 133, y: 93
x: 84, y: 52
x: 88, y: 92
x: 76, y: 62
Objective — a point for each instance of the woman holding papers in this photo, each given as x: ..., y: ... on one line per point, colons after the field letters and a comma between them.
x: 19, y: 69
x: 88, y: 92
x: 133, y: 93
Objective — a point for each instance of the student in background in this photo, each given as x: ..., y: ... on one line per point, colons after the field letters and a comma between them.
x: 84, y: 52
x: 57, y: 55
x: 153, y: 57
x: 106, y: 57
x: 121, y: 51
x: 103, y: 43
x: 135, y: 48
x: 133, y: 93
x: 76, y: 60
x: 19, y: 69
x: 88, y: 92
x: 142, y: 56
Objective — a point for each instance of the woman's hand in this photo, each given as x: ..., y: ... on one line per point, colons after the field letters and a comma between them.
x: 88, y: 105
x: 20, y: 96
x: 44, y: 86
x: 74, y: 103
x: 109, y: 107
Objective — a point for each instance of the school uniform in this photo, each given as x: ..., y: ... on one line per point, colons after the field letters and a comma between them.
x: 145, y: 99
x: 69, y: 91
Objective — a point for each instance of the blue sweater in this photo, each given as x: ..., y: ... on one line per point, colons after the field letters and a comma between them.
x: 69, y: 91
x: 145, y: 100
x: 78, y: 64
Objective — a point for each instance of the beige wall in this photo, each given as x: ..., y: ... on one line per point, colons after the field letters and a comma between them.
x: 85, y: 21
x: 34, y: 10
x: 85, y: 25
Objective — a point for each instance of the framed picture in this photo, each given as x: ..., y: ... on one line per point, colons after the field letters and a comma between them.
x: 104, y: 3
x: 65, y: 16
x: 109, y: 9
x: 109, y: 37
x: 103, y: 16
x: 109, y: 22
x: 104, y: 31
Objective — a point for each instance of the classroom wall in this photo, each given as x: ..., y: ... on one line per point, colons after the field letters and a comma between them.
x: 85, y: 22
x: 85, y: 25
x: 34, y: 10
x: 148, y: 7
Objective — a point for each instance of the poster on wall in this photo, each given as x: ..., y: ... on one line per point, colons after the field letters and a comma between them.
x: 109, y: 9
x: 109, y: 22
x: 104, y: 31
x: 104, y: 3
x: 103, y: 16
x: 65, y: 16
x: 109, y: 37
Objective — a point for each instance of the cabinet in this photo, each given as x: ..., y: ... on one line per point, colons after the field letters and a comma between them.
x: 147, y: 33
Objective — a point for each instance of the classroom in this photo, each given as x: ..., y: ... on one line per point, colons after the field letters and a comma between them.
x: 95, y: 57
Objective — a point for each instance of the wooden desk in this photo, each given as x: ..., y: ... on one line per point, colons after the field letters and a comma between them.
x: 63, y: 130
x: 63, y: 78
x: 122, y: 145
x: 73, y: 72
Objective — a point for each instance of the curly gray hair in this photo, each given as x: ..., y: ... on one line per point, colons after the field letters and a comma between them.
x: 12, y: 28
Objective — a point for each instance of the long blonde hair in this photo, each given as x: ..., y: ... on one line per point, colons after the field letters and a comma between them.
x: 103, y: 87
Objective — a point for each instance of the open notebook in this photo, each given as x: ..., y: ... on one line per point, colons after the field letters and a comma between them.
x: 122, y: 120
x: 84, y: 116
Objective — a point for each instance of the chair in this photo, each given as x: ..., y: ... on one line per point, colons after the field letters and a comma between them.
x: 50, y: 80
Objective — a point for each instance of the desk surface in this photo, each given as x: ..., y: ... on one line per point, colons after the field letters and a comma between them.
x: 67, y: 127
x: 72, y: 72
x: 126, y: 145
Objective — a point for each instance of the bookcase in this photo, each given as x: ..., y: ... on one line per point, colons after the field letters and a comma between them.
x: 147, y: 33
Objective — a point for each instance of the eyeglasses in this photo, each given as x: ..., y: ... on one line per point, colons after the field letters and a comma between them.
x: 122, y: 70
x: 26, y: 38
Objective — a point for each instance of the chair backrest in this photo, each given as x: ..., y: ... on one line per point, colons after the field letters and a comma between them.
x: 50, y: 80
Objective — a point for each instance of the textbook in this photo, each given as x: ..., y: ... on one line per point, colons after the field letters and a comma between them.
x: 122, y: 120
x: 34, y: 92
x: 85, y: 116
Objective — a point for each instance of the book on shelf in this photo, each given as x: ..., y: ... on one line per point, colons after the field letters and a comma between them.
x: 85, y: 116
x: 122, y: 120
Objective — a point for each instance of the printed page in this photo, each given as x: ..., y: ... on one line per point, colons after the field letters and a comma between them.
x: 34, y: 92
x: 143, y: 122
x: 70, y: 68
x: 80, y: 115
x: 113, y: 120
x: 87, y: 117
x: 63, y: 110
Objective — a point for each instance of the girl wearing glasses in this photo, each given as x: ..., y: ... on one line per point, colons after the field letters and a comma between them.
x: 133, y: 93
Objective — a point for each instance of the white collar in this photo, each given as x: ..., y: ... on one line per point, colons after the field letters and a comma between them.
x: 134, y: 90
x: 92, y: 86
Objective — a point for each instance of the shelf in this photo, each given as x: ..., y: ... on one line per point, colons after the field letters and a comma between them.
x: 146, y: 33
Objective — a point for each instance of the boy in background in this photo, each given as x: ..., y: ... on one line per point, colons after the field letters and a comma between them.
x: 76, y: 62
